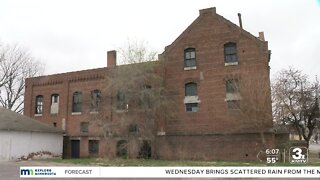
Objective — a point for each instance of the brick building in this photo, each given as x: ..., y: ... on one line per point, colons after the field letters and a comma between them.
x: 215, y: 73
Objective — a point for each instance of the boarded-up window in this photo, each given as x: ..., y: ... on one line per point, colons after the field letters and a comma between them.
x: 54, y: 104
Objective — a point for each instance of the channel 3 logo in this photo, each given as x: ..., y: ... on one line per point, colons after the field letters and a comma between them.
x: 298, y: 155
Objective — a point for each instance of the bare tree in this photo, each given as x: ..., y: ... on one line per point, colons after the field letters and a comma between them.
x: 249, y: 99
x: 295, y: 103
x: 16, y: 64
x: 137, y: 94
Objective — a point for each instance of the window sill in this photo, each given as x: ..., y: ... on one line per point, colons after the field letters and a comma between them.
x: 76, y: 113
x: 232, y: 97
x: 94, y: 112
x: 37, y: 115
x: 161, y: 133
x: 233, y: 110
x: 231, y: 64
x: 121, y: 111
x: 191, y: 99
x: 190, y: 68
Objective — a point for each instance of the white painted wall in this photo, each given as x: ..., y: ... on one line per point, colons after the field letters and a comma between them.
x: 14, y: 144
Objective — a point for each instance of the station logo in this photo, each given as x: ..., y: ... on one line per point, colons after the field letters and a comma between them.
x: 298, y: 155
x: 37, y: 172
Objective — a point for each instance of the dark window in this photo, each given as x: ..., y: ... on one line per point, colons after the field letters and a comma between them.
x: 230, y: 52
x: 93, y: 147
x: 54, y: 98
x: 122, y: 148
x: 232, y: 86
x: 77, y: 102
x: 145, y: 98
x: 84, y: 127
x: 190, y: 57
x: 147, y: 86
x: 192, y: 107
x: 191, y: 89
x: 54, y: 124
x: 233, y: 104
x: 133, y: 128
x: 39, y: 105
x: 121, y: 101
x: 95, y: 100
x: 145, y: 150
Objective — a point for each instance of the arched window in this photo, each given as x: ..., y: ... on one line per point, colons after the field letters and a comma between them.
x: 230, y: 52
x: 190, y: 57
x: 95, y: 100
x: 76, y: 102
x: 191, y: 89
x: 39, y: 105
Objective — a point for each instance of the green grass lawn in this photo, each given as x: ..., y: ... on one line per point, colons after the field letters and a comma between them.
x: 152, y: 162
x: 314, y: 160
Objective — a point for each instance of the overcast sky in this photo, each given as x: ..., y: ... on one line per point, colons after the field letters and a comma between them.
x: 70, y: 35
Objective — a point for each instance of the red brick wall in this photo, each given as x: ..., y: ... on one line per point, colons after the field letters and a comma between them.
x: 212, y: 147
x: 208, y: 34
x: 186, y: 132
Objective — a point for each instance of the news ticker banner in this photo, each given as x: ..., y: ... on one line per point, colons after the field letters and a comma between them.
x: 169, y: 172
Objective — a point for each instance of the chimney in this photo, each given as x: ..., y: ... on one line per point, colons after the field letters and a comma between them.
x: 261, y: 36
x: 112, y: 58
x: 211, y: 10
x: 240, y: 20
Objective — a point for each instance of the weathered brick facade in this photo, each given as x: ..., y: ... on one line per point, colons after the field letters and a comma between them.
x: 205, y: 125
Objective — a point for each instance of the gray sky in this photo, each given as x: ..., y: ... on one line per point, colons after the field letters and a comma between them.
x: 70, y: 35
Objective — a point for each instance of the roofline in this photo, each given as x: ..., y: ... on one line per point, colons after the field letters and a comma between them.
x: 213, y: 12
x: 37, y: 131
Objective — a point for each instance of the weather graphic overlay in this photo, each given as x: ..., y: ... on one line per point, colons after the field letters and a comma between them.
x: 272, y: 155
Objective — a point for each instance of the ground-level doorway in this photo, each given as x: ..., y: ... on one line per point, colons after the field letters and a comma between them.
x: 75, y: 148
